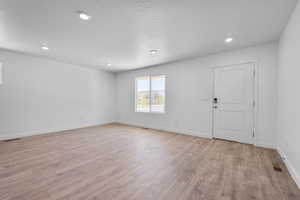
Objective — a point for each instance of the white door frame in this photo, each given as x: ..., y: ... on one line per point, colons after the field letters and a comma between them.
x: 255, y: 97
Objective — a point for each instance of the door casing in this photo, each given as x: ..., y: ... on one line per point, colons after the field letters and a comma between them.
x: 255, y: 96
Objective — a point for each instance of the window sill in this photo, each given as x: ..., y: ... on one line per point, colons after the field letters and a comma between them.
x: 159, y: 113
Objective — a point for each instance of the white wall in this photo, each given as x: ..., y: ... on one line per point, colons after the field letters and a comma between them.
x: 190, y: 88
x: 39, y: 95
x: 289, y: 95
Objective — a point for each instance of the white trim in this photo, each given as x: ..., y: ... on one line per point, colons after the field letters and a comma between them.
x: 290, y: 167
x: 265, y: 144
x: 46, y: 131
x: 212, y: 108
x: 256, y: 99
x: 150, y: 95
x: 135, y: 93
x: 182, y: 131
x: 255, y: 94
x: 238, y: 63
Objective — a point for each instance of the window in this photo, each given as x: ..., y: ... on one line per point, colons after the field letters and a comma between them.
x: 150, y: 94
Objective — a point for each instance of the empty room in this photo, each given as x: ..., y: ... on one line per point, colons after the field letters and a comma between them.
x: 149, y: 100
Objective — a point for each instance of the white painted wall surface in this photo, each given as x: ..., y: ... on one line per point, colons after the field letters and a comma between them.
x: 39, y: 95
x: 289, y: 95
x: 190, y: 88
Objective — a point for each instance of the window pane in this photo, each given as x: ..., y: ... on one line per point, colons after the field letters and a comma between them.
x: 158, y: 94
x: 143, y: 94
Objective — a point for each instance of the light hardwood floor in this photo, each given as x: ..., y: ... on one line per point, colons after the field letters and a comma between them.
x: 115, y: 162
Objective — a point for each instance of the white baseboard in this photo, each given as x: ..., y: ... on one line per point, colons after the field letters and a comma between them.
x: 259, y: 143
x: 265, y: 144
x: 290, y: 167
x: 190, y: 132
x: 47, y: 130
x: 177, y: 130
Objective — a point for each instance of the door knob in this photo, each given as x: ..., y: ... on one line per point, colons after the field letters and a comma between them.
x: 215, y: 107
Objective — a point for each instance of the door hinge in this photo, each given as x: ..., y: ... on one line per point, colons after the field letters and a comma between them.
x: 253, y: 133
x: 254, y: 73
x: 253, y: 103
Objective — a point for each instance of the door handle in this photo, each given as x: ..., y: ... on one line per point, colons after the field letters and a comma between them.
x: 215, y: 100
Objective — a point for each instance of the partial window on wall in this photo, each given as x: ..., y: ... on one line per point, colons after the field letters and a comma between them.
x: 150, y: 94
x: 142, y: 94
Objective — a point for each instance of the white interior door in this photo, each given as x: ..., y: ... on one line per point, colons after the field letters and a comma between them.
x: 234, y: 103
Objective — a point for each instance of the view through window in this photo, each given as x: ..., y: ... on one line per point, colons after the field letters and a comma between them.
x: 150, y: 94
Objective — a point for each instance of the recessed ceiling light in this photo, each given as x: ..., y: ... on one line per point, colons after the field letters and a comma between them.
x: 44, y: 47
x: 108, y: 64
x: 84, y: 15
x: 229, y: 39
x: 154, y: 51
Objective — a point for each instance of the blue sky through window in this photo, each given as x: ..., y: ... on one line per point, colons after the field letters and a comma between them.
x: 143, y: 85
x: 158, y: 83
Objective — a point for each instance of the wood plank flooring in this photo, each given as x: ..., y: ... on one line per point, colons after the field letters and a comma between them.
x: 118, y: 162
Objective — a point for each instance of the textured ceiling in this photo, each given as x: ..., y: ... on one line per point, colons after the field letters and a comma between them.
x: 122, y: 32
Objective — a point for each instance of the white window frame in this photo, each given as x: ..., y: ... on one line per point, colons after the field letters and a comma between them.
x: 150, y: 89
